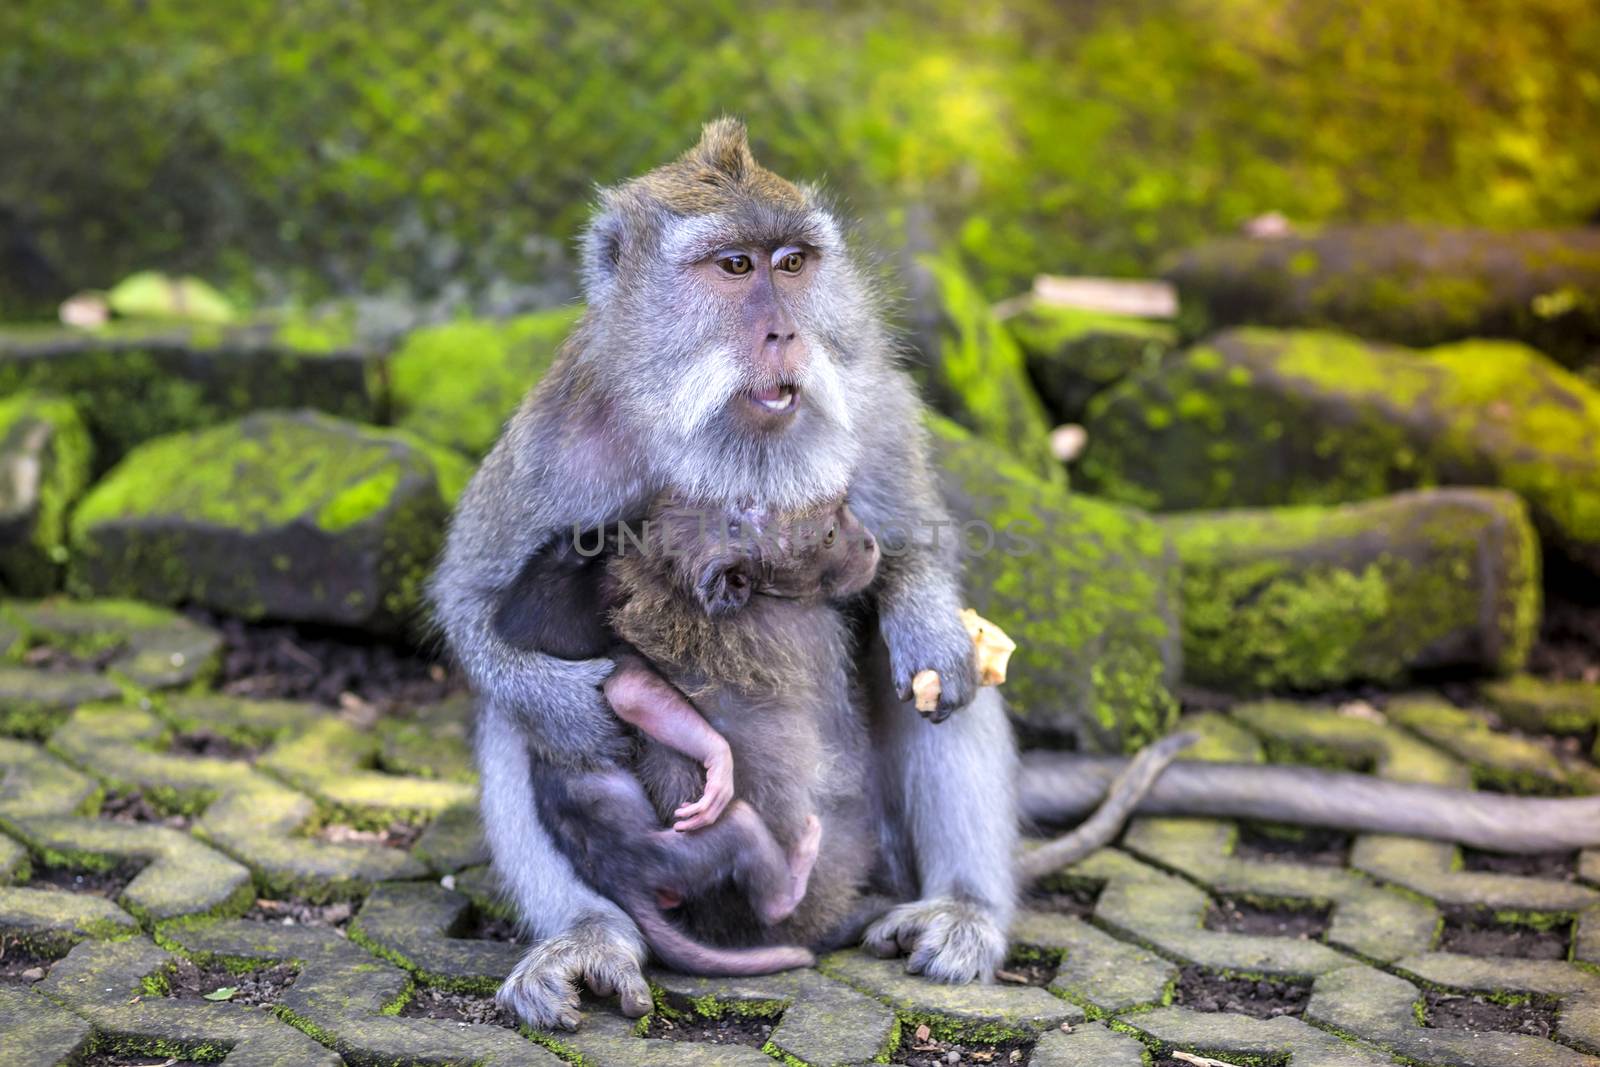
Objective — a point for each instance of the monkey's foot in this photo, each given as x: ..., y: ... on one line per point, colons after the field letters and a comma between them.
x: 542, y: 990
x: 948, y: 940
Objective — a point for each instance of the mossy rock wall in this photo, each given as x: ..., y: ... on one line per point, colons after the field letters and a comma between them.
x: 1418, y: 285
x: 136, y: 381
x: 1086, y: 588
x: 1308, y: 598
x: 1259, y: 417
x: 280, y: 515
x: 1072, y: 354
x: 978, y: 376
x: 44, y: 467
x: 458, y: 383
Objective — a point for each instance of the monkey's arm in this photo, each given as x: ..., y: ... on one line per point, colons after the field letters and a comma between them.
x: 1058, y: 786
x: 649, y: 702
x: 896, y: 495
x: 508, y: 513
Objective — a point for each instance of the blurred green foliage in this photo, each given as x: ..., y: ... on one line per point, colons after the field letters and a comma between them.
x: 297, y: 148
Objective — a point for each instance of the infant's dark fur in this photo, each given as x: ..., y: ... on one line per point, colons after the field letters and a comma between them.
x: 733, y: 610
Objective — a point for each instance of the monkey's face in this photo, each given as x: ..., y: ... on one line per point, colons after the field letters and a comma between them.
x: 723, y: 312
x: 723, y: 557
x: 816, y: 554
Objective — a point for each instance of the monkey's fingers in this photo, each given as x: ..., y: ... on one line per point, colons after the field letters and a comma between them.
x: 694, y: 816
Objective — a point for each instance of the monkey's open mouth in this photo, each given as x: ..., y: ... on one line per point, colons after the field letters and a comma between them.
x: 776, y: 398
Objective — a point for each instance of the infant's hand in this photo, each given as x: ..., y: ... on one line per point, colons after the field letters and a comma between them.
x: 719, y: 791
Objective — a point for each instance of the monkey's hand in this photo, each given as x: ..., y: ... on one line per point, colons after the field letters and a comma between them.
x: 719, y: 791
x: 940, y: 644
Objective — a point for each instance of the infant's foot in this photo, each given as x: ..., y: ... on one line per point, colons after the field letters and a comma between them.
x: 802, y: 858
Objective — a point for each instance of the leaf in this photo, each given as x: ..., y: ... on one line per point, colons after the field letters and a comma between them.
x: 225, y: 993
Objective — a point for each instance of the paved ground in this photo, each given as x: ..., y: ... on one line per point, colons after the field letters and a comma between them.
x: 190, y: 877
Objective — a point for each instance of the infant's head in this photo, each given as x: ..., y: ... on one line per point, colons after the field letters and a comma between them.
x: 724, y: 557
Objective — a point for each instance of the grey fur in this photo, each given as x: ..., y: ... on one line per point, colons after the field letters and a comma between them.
x: 596, y: 441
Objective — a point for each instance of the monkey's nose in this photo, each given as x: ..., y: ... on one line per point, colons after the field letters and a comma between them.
x: 780, y: 338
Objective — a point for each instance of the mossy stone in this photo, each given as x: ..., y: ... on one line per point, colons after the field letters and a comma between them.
x: 978, y: 376
x: 1415, y: 284
x: 1087, y: 589
x: 1545, y: 705
x: 44, y: 467
x: 1258, y: 417
x: 1305, y: 598
x: 134, y: 381
x: 295, y: 516
x: 1073, y: 354
x: 459, y: 382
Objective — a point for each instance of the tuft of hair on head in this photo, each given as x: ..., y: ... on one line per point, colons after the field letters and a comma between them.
x: 724, y: 147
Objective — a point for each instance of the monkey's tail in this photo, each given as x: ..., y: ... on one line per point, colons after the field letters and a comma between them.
x: 688, y: 956
x: 1099, y: 829
x: 1059, y: 785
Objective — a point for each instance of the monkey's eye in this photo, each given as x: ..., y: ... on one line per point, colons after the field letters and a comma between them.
x: 791, y: 262
x: 735, y: 264
x: 830, y: 537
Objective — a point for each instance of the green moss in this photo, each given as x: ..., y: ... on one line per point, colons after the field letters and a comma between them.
x: 130, y: 384
x: 45, y: 429
x: 979, y: 377
x: 250, y: 475
x: 1318, y: 418
x: 1311, y: 597
x: 362, y: 500
x: 458, y: 383
x: 1085, y: 588
x: 1073, y: 354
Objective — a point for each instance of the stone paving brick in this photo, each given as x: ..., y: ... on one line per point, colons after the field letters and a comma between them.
x: 430, y: 742
x: 148, y: 646
x: 1099, y: 973
x: 106, y: 983
x: 1237, y: 1037
x: 1578, y: 989
x: 1380, y: 1008
x: 253, y: 817
x: 1166, y: 912
x: 38, y: 1030
x: 1006, y: 1008
x: 50, y: 920
x: 346, y: 998
x: 1088, y: 1045
x: 1545, y: 705
x: 823, y: 1022
x: 1322, y: 735
x: 328, y: 760
x: 453, y: 841
x: 180, y: 876
x: 1514, y: 763
x: 33, y: 703
x: 411, y: 924
x: 34, y: 782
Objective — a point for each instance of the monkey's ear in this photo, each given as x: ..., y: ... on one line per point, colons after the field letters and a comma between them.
x: 723, y: 588
x: 601, y: 250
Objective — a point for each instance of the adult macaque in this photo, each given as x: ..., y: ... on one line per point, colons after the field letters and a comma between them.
x: 731, y: 352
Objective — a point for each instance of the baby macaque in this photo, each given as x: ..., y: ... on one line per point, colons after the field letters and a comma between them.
x: 734, y: 611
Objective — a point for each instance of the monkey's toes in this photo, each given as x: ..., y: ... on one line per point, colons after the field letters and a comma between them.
x: 948, y: 940
x: 540, y: 997
x: 542, y: 990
